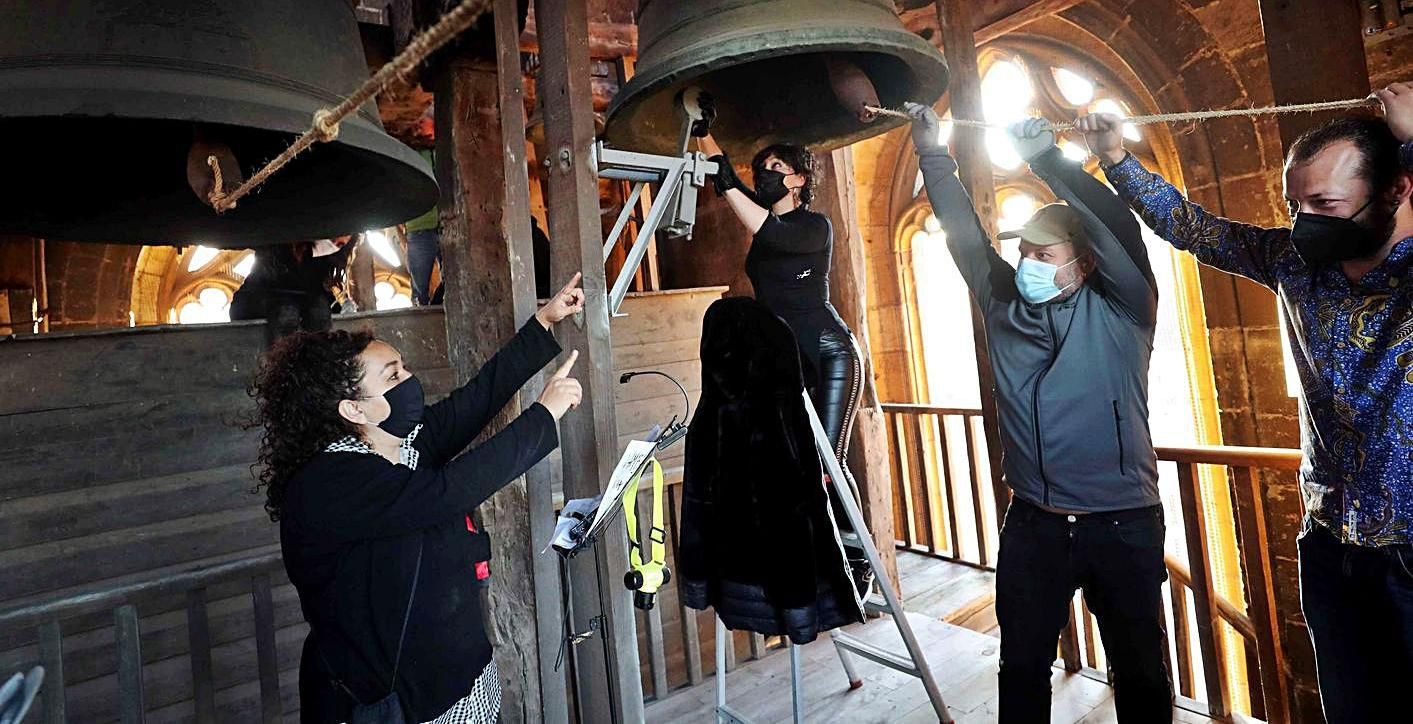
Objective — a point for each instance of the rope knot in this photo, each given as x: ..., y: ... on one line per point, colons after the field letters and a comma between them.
x: 326, y: 126
x: 218, y: 186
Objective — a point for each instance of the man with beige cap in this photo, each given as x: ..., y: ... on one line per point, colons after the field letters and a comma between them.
x: 1070, y: 331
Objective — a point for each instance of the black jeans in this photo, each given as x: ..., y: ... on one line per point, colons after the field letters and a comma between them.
x: 1117, y: 558
x: 1358, y: 603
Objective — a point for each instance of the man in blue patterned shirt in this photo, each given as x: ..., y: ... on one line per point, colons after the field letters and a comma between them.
x: 1344, y: 276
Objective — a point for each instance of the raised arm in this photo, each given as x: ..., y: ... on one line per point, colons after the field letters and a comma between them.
x: 985, y: 272
x: 1115, y: 238
x: 1250, y: 251
x: 378, y: 499
x: 451, y: 425
x: 728, y: 186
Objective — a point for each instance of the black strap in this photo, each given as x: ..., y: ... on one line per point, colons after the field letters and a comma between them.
x: 411, y: 595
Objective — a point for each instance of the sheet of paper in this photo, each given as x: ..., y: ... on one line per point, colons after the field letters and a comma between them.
x: 633, y: 460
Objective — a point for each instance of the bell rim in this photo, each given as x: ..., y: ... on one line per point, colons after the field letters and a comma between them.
x: 917, y: 53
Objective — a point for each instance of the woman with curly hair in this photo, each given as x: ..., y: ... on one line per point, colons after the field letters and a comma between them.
x: 372, y: 491
x: 791, y: 252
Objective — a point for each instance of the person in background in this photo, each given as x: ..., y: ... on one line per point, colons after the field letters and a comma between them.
x: 1343, y: 272
x: 291, y: 286
x: 1070, y: 332
x: 372, y: 490
x: 423, y: 248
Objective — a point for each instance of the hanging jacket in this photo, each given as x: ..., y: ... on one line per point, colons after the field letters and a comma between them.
x: 758, y: 541
x: 1071, y: 375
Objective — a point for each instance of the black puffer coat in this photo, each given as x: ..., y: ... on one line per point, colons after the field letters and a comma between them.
x: 758, y: 540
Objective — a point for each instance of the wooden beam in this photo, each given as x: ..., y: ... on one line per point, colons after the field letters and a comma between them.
x: 1342, y: 72
x: 968, y: 146
x: 997, y: 27
x: 848, y: 280
x: 488, y: 272
x: 990, y: 19
x: 360, y: 273
x: 607, y: 677
x: 607, y: 41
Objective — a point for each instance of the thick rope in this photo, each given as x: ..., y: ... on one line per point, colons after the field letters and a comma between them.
x: 1167, y: 117
x: 325, y: 126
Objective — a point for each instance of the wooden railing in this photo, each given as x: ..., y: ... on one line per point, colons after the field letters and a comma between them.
x: 940, y: 503
x: 47, y: 620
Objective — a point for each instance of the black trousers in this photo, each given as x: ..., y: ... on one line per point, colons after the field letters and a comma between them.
x: 836, y: 399
x: 1117, y: 559
x: 1358, y: 603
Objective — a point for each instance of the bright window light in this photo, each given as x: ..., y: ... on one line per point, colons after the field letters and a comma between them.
x: 1073, y: 151
x: 1109, y: 105
x: 1076, y: 89
x: 192, y: 313
x: 1016, y: 209
x: 200, y: 257
x: 383, y: 291
x: 1001, y: 150
x: 931, y: 223
x: 1006, y: 92
x: 384, y: 248
x: 919, y: 238
x: 397, y: 300
x: 245, y: 266
x: 944, y: 131
x: 213, y: 298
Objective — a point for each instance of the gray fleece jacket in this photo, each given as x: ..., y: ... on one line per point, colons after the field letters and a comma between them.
x: 1071, y: 375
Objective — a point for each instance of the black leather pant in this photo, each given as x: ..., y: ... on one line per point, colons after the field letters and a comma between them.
x: 836, y: 399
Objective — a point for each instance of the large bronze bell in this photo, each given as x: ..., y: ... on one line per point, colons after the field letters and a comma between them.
x: 779, y: 70
x: 108, y: 109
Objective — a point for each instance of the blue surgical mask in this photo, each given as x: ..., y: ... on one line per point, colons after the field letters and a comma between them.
x: 1036, y: 280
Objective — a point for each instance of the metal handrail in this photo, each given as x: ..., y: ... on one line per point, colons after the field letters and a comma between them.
x: 106, y: 598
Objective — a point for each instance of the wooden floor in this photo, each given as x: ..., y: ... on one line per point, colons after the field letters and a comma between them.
x: 964, y: 662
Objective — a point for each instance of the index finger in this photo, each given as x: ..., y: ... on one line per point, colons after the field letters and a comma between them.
x: 573, y: 282
x: 568, y: 365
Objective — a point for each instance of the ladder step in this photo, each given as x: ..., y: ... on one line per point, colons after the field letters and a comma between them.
x: 876, y: 603
x: 850, y: 539
x: 875, y: 654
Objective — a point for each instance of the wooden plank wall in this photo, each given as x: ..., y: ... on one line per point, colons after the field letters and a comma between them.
x: 122, y: 457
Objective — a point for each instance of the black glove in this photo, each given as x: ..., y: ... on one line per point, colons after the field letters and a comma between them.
x: 702, y: 127
x: 725, y: 177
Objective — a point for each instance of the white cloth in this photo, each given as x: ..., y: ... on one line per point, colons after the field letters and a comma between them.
x: 350, y: 443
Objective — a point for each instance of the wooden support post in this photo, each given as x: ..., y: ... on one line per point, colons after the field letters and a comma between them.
x: 868, y: 445
x: 608, y: 683
x: 1259, y: 576
x: 1342, y: 71
x: 968, y: 146
x: 1204, y: 595
x: 488, y: 264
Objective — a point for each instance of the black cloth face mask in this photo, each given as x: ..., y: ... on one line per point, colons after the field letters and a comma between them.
x: 770, y: 187
x: 407, y: 401
x: 1322, y: 240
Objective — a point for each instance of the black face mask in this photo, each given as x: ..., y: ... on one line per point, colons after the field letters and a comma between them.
x: 1321, y: 240
x: 770, y: 187
x: 407, y: 401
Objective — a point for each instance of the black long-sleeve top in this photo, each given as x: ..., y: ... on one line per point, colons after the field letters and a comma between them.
x: 350, y: 531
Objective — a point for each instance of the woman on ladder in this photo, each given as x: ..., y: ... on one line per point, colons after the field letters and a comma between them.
x: 788, y: 264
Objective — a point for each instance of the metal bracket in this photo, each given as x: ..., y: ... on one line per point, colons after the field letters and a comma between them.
x: 674, y: 207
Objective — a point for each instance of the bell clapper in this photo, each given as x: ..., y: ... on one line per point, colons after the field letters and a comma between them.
x: 212, y: 169
x: 853, y: 89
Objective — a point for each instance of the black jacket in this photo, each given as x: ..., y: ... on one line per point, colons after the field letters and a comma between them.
x: 350, y: 531
x: 758, y: 540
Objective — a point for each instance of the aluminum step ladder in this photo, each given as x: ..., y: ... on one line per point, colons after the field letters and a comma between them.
x: 882, y: 601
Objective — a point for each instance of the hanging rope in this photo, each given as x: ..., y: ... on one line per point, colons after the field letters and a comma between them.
x: 1168, y: 117
x: 325, y: 126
